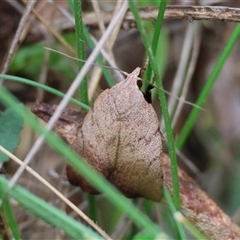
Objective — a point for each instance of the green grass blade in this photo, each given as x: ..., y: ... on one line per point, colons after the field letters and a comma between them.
x: 10, y: 218
x: 44, y: 87
x: 47, y: 212
x: 207, y: 88
x: 163, y: 102
x: 191, y: 229
x: 84, y: 85
x: 159, y: 21
x: 121, y: 202
x: 92, y: 207
x: 156, y: 34
x: 80, y: 48
x: 180, y: 224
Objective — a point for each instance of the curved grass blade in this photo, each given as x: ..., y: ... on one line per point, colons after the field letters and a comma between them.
x: 12, y: 224
x: 44, y: 87
x: 77, y: 7
x: 47, y: 212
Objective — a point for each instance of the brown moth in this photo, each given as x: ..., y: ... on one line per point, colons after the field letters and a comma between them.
x: 121, y: 139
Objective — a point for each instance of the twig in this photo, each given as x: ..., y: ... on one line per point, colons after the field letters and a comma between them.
x: 216, y: 13
x: 16, y: 6
x: 44, y: 69
x: 97, y: 11
x: 173, y: 12
x: 190, y: 13
x: 196, y: 206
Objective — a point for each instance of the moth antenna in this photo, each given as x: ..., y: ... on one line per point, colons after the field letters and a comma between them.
x: 81, y: 60
x: 94, y: 64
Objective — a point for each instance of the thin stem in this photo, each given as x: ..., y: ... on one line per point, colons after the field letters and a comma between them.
x: 44, y: 87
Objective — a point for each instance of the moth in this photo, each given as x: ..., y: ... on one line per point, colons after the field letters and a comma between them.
x: 119, y: 137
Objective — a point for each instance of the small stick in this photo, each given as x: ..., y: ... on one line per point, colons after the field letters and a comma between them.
x: 175, y: 12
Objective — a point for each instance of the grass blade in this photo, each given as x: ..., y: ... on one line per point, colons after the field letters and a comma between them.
x: 80, y: 48
x: 168, y: 198
x: 47, y: 212
x: 92, y: 207
x: 10, y: 218
x: 91, y: 44
x: 44, y: 87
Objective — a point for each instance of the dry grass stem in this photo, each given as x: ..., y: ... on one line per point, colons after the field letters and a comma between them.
x: 63, y: 11
x: 195, y: 45
x: 5, y: 232
x: 44, y: 70
x: 179, y: 78
x: 94, y: 80
x: 111, y: 62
